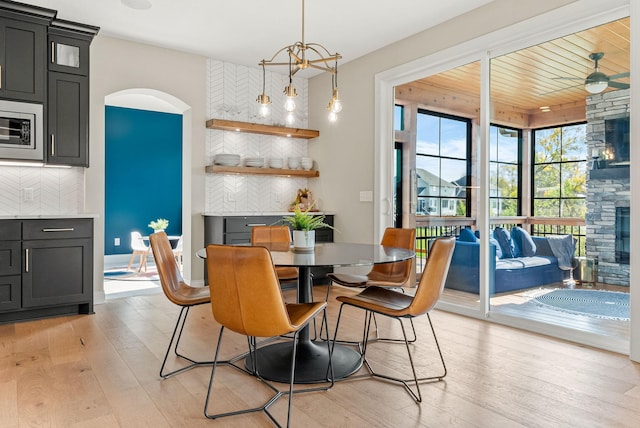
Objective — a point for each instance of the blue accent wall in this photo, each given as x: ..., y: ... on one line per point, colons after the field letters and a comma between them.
x: 143, y: 174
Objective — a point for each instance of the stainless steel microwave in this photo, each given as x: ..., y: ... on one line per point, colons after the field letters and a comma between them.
x: 21, y: 131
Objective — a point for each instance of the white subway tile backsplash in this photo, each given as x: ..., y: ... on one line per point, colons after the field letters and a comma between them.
x: 232, y: 91
x: 55, y: 191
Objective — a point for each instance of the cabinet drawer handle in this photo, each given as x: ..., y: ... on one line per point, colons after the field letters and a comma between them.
x: 62, y: 229
x: 26, y: 260
x: 53, y: 144
x: 0, y: 77
x: 255, y: 224
x: 53, y: 54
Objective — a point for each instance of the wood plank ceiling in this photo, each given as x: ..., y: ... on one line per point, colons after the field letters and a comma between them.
x: 550, y: 75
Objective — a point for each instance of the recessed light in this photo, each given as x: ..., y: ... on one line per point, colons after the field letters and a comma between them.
x: 137, y: 4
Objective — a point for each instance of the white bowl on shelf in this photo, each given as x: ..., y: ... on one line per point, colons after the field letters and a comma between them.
x: 293, y: 163
x: 277, y: 163
x: 306, y: 163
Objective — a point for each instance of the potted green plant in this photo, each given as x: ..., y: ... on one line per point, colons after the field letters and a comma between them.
x: 159, y: 225
x: 304, y: 226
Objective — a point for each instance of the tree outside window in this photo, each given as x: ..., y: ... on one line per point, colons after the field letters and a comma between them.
x: 505, y: 170
x: 560, y: 171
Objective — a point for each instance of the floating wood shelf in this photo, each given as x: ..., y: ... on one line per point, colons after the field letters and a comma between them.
x: 256, y: 128
x: 218, y: 169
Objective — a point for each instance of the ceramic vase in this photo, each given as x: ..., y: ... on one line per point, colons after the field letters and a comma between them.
x: 304, y: 240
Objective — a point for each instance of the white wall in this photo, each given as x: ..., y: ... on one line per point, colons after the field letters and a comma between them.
x: 118, y: 65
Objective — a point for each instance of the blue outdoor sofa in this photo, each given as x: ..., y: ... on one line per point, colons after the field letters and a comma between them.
x: 505, y: 274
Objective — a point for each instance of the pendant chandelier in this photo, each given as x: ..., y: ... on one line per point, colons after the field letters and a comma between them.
x: 302, y: 55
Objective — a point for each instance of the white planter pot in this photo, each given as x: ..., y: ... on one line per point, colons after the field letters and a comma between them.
x: 304, y: 240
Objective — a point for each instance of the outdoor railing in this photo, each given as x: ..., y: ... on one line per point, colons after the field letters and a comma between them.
x: 428, y: 228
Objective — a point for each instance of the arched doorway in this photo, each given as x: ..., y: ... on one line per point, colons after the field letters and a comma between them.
x: 145, y: 172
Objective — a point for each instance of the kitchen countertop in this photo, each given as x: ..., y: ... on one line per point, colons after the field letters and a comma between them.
x: 46, y: 216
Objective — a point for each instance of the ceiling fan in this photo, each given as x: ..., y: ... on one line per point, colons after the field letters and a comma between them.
x: 597, y: 81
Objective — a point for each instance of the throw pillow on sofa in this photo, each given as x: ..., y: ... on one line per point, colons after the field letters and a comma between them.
x: 466, y: 235
x: 493, y: 241
x: 524, y: 245
x: 506, y: 243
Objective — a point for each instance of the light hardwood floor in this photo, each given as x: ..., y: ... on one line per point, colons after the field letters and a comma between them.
x: 102, y: 371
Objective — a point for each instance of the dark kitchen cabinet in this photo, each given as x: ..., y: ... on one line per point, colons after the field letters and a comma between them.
x: 45, y: 60
x: 46, y: 268
x: 57, y: 271
x: 68, y: 93
x: 68, y: 54
x: 68, y: 119
x: 22, y: 58
x: 10, y: 262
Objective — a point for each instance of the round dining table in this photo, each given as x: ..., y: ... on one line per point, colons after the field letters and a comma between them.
x: 274, y: 360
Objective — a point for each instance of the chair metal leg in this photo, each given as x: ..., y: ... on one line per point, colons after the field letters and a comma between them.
x: 389, y: 339
x: 182, y: 319
x: 416, y: 395
x: 253, y: 345
x: 377, y: 335
x: 252, y: 353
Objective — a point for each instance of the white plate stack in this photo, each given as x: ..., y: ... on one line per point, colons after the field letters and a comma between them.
x: 225, y: 159
x: 254, y: 162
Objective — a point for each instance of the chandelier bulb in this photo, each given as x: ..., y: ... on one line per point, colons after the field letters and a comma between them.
x: 291, y: 94
x: 290, y: 118
x: 290, y: 104
x: 298, y: 60
x: 336, y: 106
x: 333, y: 116
x: 264, y: 101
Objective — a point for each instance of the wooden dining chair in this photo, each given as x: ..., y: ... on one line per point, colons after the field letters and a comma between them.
x: 178, y: 249
x: 387, y: 274
x: 394, y: 275
x: 397, y: 305
x: 179, y: 293
x: 271, y: 234
x: 246, y: 299
x: 139, y: 249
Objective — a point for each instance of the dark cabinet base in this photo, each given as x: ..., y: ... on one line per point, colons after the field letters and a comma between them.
x: 46, y: 268
x: 31, y: 314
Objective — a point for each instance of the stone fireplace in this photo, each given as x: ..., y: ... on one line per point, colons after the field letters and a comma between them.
x: 608, y: 190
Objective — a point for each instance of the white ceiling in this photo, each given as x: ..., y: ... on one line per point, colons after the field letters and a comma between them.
x: 245, y: 31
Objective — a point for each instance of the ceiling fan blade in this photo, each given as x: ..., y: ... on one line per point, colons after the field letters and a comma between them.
x: 619, y: 75
x: 618, y: 85
x: 568, y: 78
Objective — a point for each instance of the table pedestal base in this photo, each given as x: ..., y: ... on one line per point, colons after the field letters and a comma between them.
x: 312, y: 359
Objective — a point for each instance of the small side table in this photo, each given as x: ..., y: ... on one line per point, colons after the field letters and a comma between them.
x: 587, y: 271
